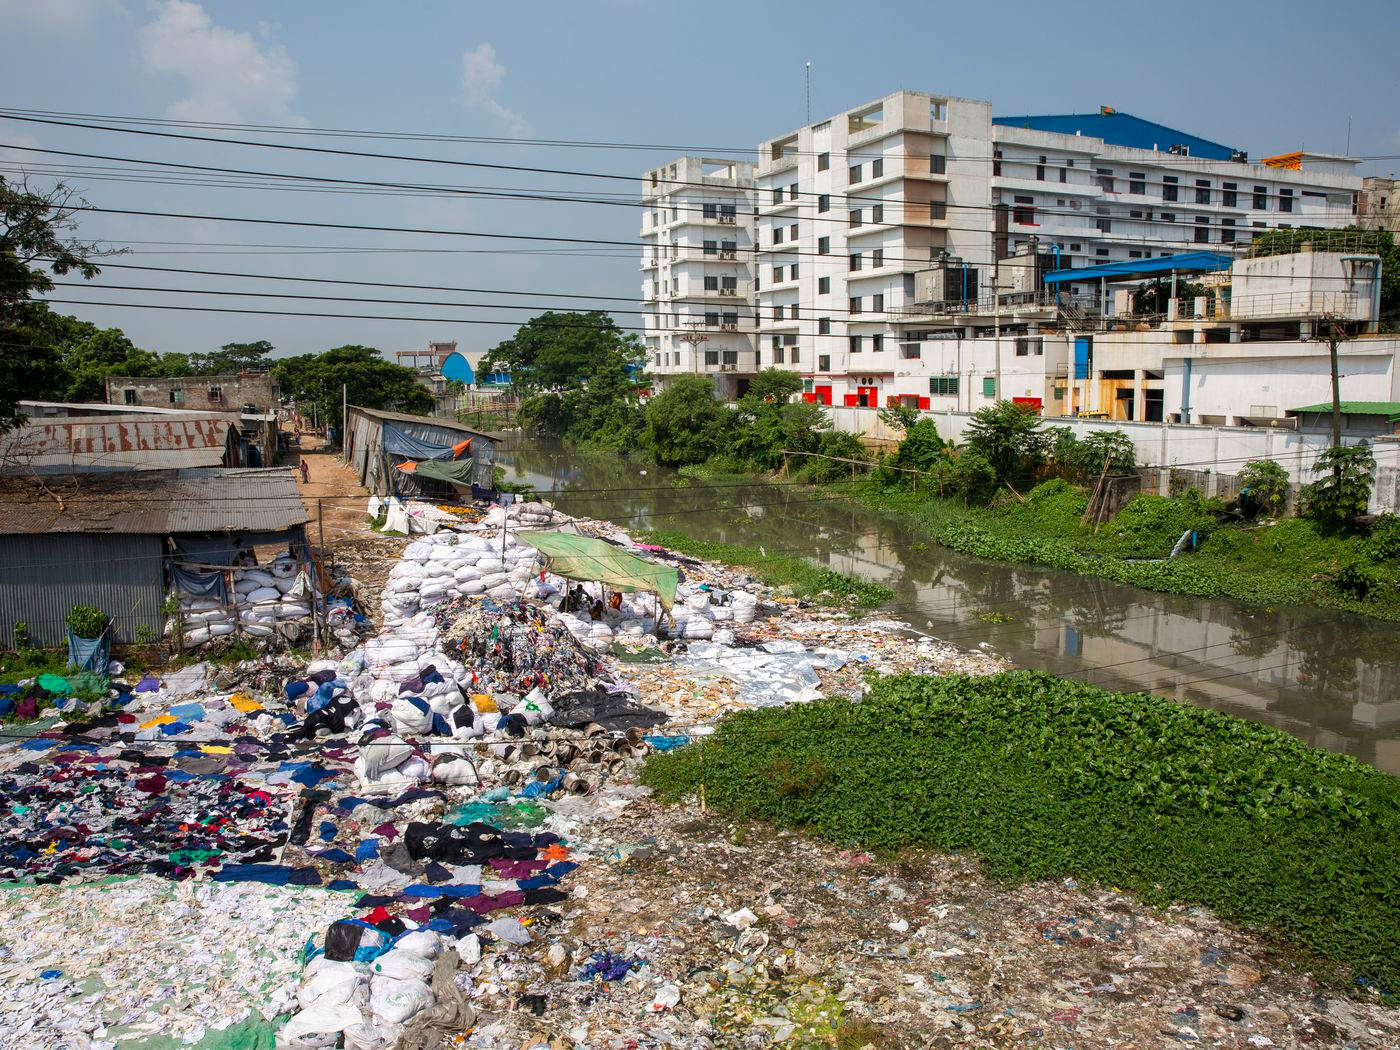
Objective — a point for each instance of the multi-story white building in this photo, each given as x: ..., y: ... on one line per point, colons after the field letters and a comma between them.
x: 697, y: 271
x: 901, y: 245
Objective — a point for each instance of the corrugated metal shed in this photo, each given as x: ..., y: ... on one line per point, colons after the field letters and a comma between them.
x: 364, y: 450
x: 43, y: 577
x: 76, y: 444
x: 152, y: 503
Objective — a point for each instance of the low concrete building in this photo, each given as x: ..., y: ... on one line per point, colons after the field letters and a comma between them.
x: 1378, y: 206
x: 57, y: 441
x: 252, y: 396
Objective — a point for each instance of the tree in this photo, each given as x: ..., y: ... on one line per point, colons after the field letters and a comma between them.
x: 684, y: 423
x: 368, y: 379
x: 35, y: 228
x: 234, y: 357
x: 1008, y: 437
x: 773, y: 385
x: 899, y: 417
x: 556, y: 351
x: 1336, y: 500
x: 921, y: 449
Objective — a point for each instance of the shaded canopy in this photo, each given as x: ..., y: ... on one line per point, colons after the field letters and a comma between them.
x: 585, y: 558
x: 452, y: 471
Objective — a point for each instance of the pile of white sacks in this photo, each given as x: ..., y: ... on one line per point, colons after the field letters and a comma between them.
x: 436, y: 568
x: 264, y: 596
x: 369, y: 1002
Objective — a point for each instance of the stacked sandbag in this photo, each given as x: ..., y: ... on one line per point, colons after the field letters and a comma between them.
x: 203, y: 619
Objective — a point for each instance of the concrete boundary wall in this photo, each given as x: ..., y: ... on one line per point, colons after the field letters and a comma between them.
x: 1204, y: 452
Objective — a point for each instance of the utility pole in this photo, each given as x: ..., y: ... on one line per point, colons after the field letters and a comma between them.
x: 344, y: 415
x: 1334, y: 337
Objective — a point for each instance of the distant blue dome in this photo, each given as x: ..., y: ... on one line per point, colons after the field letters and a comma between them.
x: 455, y: 366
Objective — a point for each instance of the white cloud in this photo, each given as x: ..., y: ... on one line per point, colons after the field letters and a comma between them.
x: 51, y: 14
x: 229, y: 75
x: 481, y: 75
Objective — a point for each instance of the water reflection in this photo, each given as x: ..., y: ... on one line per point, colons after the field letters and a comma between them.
x: 1329, y: 678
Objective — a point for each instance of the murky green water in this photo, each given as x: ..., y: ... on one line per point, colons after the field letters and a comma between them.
x: 1329, y: 678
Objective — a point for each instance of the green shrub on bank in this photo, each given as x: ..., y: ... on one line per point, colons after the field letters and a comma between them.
x: 1045, y: 778
x: 804, y: 578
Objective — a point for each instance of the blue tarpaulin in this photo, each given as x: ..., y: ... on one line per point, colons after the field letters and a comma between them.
x: 399, y: 443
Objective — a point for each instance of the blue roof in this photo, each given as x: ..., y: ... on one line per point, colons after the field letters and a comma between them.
x: 455, y: 366
x: 1192, y: 262
x: 1121, y: 129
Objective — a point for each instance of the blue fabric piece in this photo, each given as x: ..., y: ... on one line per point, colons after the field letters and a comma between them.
x: 326, y: 830
x: 90, y: 654
x: 10, y: 688
x: 175, y: 728
x: 342, y: 885
x: 7, y: 705
x: 271, y: 874
x: 397, y: 442
x: 349, y: 802
x: 180, y: 776
x: 422, y: 889
x: 665, y: 743
x: 200, y: 581
x: 440, y: 726
x: 418, y: 702
x: 335, y: 856
x: 324, y: 695
x: 367, y: 850
x: 296, y: 689
x: 537, y: 789
x: 549, y: 877
x: 313, y: 776
x: 148, y: 684
x: 38, y: 744
x: 187, y: 712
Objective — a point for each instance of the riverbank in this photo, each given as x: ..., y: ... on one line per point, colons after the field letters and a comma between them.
x: 1043, y: 778
x: 1286, y: 562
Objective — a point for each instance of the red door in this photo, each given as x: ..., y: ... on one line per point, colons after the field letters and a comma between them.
x: 867, y: 397
x: 823, y: 394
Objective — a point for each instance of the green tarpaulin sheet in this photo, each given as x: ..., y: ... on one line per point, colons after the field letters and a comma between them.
x: 452, y: 471
x: 584, y: 558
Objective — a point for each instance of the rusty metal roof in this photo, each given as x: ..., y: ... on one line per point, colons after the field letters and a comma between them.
x: 152, y: 502
x: 121, y: 442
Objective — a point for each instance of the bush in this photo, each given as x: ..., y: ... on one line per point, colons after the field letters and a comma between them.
x: 1046, y: 778
x: 1008, y: 437
x: 1267, y: 484
x: 1149, y: 525
x: 972, y: 477
x: 1384, y: 544
x: 684, y: 423
x: 87, y: 622
x: 922, y: 448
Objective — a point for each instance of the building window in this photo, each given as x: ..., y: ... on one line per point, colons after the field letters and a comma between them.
x: 729, y: 284
x: 1030, y: 346
x: 777, y: 313
x: 855, y: 262
x: 1104, y: 225
x: 1040, y: 171
x: 1104, y: 179
x: 777, y: 235
x: 777, y: 275
x: 989, y: 386
x: 711, y: 357
x: 877, y: 343
x: 777, y: 353
x: 824, y: 202
x: 712, y: 284
x: 1202, y: 191
x: 823, y: 245
x: 731, y: 357
x: 996, y: 162
x: 1101, y: 253
x: 709, y: 210
x: 1168, y: 216
x: 854, y: 174
x: 216, y: 393
x: 855, y: 304
x: 1135, y: 255
x: 1022, y: 214
x: 726, y: 213
x: 792, y: 272
x: 712, y: 319
x: 1202, y: 231
x: 823, y: 285
x: 1169, y: 188
x: 824, y: 363
x: 777, y: 195
x: 730, y: 320
x: 177, y: 396
x: 877, y: 168
x: 877, y: 213
x: 943, y: 386
x: 1285, y: 200
x: 1261, y: 198
x: 710, y: 247
x: 877, y: 258
x: 792, y: 311
x: 938, y: 163
x: 792, y: 233
x: 854, y: 342
x: 938, y: 209
x: 823, y: 161
x: 1229, y: 195
x: 877, y: 302
x: 1137, y: 182
x: 855, y: 217
x: 823, y: 326
x: 1227, y: 235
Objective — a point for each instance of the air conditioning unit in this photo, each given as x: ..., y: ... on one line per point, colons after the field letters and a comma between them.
x: 726, y: 255
x: 729, y: 326
x: 728, y: 220
x: 729, y: 291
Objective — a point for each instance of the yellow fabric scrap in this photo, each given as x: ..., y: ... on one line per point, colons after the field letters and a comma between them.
x: 216, y: 749
x: 159, y: 720
x: 245, y: 703
x: 484, y: 704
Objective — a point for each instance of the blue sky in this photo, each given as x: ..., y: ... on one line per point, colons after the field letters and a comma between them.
x: 1268, y: 77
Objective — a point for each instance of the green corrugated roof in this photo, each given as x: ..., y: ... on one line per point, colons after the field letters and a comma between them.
x: 1389, y: 409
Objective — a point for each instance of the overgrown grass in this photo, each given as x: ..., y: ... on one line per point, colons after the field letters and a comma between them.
x: 1288, y: 562
x: 1046, y: 778
x: 803, y: 578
